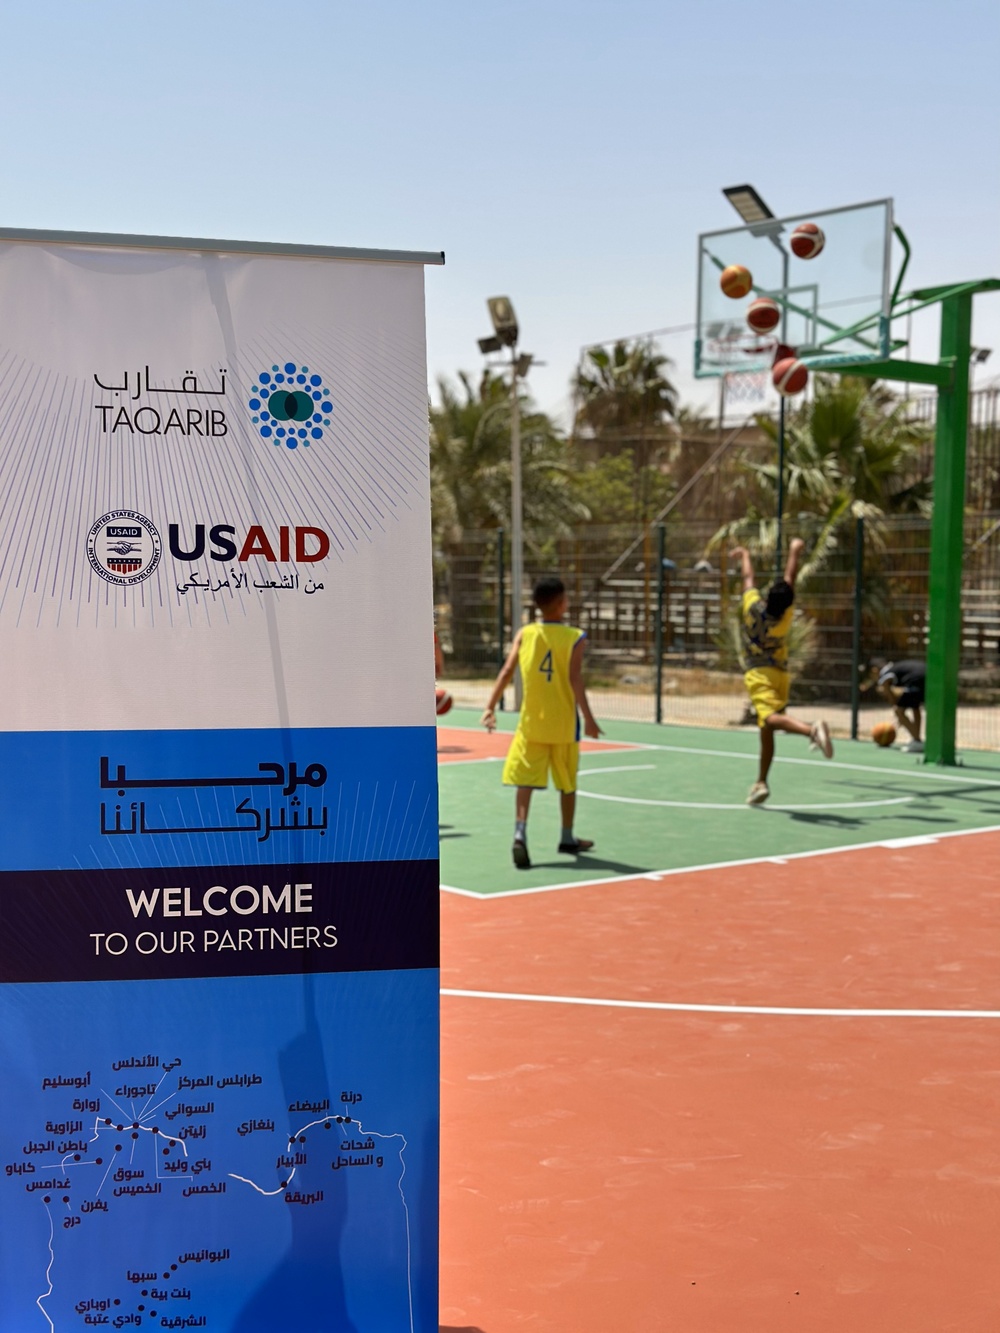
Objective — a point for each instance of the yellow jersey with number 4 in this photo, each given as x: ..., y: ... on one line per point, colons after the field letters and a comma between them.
x: 548, y: 705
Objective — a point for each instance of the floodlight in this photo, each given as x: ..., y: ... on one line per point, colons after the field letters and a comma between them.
x: 754, y: 212
x: 748, y: 203
x: 523, y: 364
x: 981, y: 354
x: 490, y: 344
x: 504, y: 319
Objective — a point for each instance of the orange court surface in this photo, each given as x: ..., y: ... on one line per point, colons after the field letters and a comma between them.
x: 740, y: 1072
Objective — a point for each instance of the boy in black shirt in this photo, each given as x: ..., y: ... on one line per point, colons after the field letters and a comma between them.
x: 903, y: 685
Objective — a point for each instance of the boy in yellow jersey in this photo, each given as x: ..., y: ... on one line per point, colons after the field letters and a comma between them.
x: 765, y: 624
x: 550, y: 655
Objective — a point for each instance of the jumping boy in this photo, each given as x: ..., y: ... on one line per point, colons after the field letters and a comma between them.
x: 765, y: 624
x: 550, y: 655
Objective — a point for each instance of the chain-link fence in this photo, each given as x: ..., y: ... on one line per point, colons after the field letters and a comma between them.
x: 663, y: 646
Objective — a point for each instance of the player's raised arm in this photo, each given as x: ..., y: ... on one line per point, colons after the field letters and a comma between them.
x: 505, y: 676
x: 741, y: 554
x: 795, y: 551
x: 579, y: 690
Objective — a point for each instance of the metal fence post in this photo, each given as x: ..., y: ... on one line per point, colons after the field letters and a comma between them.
x: 661, y: 551
x: 501, y: 624
x: 859, y: 570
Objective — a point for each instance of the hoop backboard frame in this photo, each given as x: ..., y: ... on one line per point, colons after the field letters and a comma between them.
x: 849, y: 281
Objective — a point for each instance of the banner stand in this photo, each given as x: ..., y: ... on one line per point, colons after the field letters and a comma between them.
x: 218, y: 859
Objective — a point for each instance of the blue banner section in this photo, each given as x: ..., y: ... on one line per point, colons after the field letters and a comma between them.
x: 241, y: 1155
x: 80, y: 800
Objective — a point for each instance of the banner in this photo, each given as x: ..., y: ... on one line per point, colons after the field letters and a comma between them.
x: 218, y: 854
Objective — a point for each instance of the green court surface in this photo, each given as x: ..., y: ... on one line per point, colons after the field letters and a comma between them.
x: 677, y: 801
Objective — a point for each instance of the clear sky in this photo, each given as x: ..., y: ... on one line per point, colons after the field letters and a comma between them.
x: 563, y: 153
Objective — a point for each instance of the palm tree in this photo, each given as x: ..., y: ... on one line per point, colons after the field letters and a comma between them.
x: 625, y: 399
x: 470, y: 439
x: 851, y: 452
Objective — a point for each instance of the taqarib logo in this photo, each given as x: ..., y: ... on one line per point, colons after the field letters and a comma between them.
x: 124, y: 547
x: 290, y: 405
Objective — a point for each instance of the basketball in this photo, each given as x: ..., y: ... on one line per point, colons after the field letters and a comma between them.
x: 883, y: 733
x: 443, y: 702
x: 763, y: 315
x: 789, y: 376
x: 736, y: 281
x: 807, y: 240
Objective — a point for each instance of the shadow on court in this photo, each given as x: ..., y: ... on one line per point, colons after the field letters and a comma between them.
x: 811, y: 817
x: 586, y: 862
x: 453, y: 1328
x: 449, y: 831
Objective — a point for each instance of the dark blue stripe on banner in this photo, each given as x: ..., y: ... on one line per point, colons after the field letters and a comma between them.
x: 227, y: 921
x: 91, y: 799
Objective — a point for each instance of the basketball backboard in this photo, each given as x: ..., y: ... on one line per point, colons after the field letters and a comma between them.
x: 834, y: 308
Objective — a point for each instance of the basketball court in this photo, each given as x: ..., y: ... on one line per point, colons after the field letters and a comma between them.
x: 737, y: 1068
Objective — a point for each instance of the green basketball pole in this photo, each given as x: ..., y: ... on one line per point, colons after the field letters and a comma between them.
x: 948, y: 532
x: 951, y: 376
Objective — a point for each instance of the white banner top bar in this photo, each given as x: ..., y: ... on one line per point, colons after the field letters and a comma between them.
x: 289, y: 248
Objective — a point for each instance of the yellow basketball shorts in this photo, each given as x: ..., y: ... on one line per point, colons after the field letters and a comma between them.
x: 768, y: 689
x: 528, y: 763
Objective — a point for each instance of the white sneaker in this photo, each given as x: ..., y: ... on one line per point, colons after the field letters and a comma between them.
x: 759, y: 793
x: 913, y: 747
x: 819, y: 739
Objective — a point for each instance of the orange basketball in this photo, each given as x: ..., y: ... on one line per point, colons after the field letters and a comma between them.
x: 883, y: 733
x: 736, y: 281
x: 789, y: 376
x: 443, y: 702
x: 763, y: 315
x: 807, y: 240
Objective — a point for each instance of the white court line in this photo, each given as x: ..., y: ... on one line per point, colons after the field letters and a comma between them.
x: 890, y: 844
x: 584, y: 740
x: 917, y: 771
x: 722, y: 1008
x: 483, y: 759
x: 619, y: 768
x: 464, y: 893
x: 711, y: 805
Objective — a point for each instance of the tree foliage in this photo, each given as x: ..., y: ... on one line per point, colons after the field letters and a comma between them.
x: 471, y: 463
x: 851, y: 452
x: 614, y: 490
x: 625, y: 399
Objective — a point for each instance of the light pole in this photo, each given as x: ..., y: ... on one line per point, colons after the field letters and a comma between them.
x: 505, y: 334
x: 762, y: 222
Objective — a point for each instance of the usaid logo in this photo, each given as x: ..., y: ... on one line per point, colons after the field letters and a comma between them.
x: 290, y: 406
x: 124, y: 547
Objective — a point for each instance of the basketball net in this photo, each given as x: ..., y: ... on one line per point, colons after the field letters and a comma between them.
x: 747, y: 386
x: 727, y: 348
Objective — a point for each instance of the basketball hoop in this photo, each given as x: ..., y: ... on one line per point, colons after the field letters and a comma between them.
x: 831, y: 289
x: 728, y: 349
x: 748, y: 386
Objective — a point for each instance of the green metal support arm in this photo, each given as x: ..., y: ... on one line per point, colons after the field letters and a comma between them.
x: 956, y: 289
x: 911, y: 372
